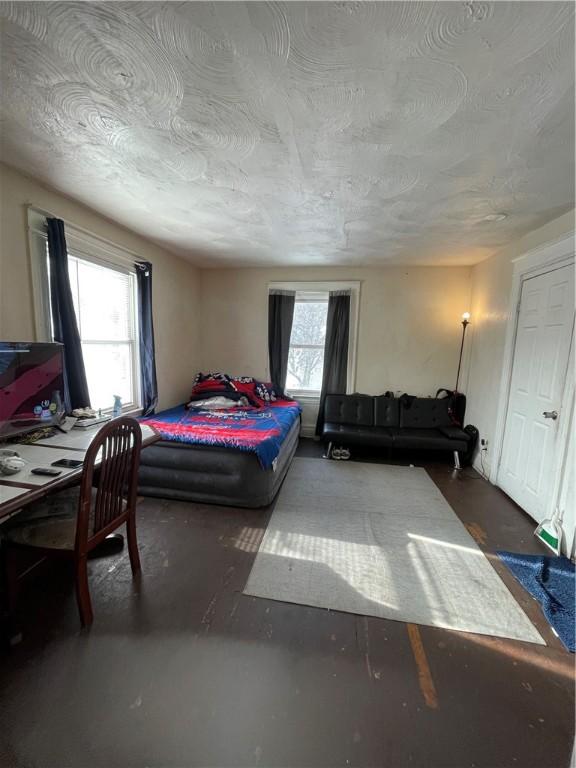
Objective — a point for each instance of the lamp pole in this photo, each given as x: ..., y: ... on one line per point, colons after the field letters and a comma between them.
x: 465, y: 322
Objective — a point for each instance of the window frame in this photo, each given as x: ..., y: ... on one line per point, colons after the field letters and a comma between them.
x: 86, y: 247
x: 324, y: 287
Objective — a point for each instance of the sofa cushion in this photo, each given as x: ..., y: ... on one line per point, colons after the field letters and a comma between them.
x: 348, y: 434
x: 349, y: 409
x: 426, y: 439
x: 425, y: 413
x: 386, y: 411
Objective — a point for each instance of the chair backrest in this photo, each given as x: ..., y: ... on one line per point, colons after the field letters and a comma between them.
x: 108, y: 491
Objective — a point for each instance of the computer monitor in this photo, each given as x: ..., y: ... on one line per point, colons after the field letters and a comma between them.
x: 31, y: 386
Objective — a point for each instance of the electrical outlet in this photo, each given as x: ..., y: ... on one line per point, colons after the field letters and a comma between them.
x: 484, y: 443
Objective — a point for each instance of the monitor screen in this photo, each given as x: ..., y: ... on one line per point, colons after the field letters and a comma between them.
x: 31, y: 386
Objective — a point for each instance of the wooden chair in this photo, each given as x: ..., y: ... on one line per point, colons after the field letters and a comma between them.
x: 71, y: 523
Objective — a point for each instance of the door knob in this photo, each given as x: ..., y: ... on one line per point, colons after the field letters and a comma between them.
x: 550, y: 415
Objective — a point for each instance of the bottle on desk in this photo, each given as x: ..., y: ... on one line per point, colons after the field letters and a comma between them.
x: 117, y: 408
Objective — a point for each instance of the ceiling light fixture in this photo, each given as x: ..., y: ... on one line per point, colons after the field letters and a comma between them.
x: 495, y: 217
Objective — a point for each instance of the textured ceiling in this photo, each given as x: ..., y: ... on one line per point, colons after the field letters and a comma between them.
x: 298, y: 133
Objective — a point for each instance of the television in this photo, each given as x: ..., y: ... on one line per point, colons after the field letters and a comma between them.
x: 31, y: 386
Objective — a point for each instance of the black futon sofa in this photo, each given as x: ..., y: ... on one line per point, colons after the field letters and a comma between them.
x: 422, y: 423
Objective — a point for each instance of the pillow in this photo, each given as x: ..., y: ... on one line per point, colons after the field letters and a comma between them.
x: 266, y: 392
x: 207, y: 394
x: 258, y: 393
x: 247, y: 387
x: 262, y: 392
x: 217, y: 403
x: 211, y: 385
x: 208, y: 385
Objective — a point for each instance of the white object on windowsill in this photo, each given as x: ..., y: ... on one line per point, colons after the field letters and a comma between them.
x: 117, y: 407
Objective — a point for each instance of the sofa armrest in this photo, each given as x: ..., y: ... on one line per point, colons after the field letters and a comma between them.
x: 454, y: 433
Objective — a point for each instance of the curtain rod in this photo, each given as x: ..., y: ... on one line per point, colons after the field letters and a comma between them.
x: 81, y: 230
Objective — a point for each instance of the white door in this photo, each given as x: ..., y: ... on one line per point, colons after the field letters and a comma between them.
x: 530, y: 452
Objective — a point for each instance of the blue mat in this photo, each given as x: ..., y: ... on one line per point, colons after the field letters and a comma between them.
x: 552, y: 581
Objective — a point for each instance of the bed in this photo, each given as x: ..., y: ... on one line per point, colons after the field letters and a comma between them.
x: 234, y: 456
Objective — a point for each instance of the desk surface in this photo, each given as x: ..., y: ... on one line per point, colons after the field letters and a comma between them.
x: 80, y: 439
x: 22, y: 488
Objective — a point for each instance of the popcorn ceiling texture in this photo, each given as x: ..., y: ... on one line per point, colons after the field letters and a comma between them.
x: 298, y: 133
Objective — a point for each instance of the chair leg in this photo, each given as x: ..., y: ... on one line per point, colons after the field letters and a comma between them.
x: 83, y: 591
x: 10, y: 579
x: 328, y: 454
x: 457, y: 464
x: 10, y: 632
x: 133, y: 545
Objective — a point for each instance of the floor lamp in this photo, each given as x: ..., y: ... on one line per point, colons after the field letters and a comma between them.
x: 465, y: 323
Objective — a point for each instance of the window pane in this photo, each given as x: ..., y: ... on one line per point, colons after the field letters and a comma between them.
x: 305, y: 368
x: 109, y: 373
x: 306, y: 356
x: 309, y: 324
x: 104, y: 302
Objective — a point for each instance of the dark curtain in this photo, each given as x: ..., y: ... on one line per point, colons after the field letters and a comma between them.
x: 64, y: 322
x: 335, y: 373
x: 146, y: 327
x: 280, y: 316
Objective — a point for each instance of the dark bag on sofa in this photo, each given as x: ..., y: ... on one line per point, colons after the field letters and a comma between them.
x: 470, y: 430
x: 456, y: 406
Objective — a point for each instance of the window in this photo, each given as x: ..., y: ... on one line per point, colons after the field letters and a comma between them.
x: 306, y: 355
x: 104, y: 300
x: 104, y: 292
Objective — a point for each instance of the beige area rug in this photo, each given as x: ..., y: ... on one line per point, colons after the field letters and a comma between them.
x: 381, y: 541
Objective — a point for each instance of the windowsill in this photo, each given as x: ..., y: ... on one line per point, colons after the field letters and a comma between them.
x: 309, y: 397
x: 128, y: 411
x: 132, y: 412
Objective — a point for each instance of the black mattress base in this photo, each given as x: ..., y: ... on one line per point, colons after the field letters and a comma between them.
x: 213, y: 475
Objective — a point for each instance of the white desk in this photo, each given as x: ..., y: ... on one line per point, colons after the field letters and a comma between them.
x: 8, y: 492
x: 22, y: 488
x: 80, y: 439
x: 40, y: 456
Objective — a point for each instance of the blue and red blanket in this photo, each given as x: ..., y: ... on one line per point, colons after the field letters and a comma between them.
x: 259, y: 427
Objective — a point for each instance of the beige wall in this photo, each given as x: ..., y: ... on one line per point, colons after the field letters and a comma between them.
x: 491, y: 288
x: 175, y: 292
x: 409, y: 329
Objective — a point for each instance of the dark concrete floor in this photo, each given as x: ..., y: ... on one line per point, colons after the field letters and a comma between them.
x: 183, y: 670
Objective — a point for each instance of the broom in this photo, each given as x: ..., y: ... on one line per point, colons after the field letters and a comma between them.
x: 549, y: 532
